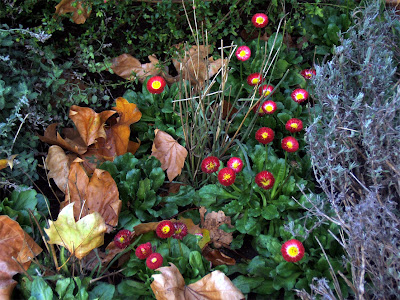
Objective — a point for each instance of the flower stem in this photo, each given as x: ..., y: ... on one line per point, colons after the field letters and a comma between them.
x: 236, y: 188
x: 241, y: 74
x: 266, y: 155
x: 180, y: 247
x: 169, y: 246
x: 264, y: 199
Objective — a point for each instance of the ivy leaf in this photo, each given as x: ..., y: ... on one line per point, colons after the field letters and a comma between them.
x: 78, y: 237
x: 169, y: 152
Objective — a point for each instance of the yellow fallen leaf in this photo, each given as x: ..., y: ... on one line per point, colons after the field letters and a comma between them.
x: 7, y: 162
x: 78, y: 237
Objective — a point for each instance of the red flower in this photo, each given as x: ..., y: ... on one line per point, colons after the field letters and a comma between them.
x: 154, y: 261
x: 165, y: 229
x: 210, y: 164
x: 254, y: 79
x: 236, y: 164
x: 290, y: 144
x: 294, y: 125
x: 123, y: 238
x: 226, y: 176
x: 243, y: 53
x: 156, y: 84
x: 143, y: 251
x: 299, y: 95
x: 265, y: 90
x: 265, y: 135
x: 269, y: 107
x: 292, y: 251
x: 180, y: 230
x: 257, y: 109
x: 265, y: 180
x: 308, y: 73
x: 259, y: 20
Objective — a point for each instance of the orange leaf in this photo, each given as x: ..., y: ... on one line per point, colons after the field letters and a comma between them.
x: 14, y: 243
x: 170, y: 285
x: 97, y: 194
x: 125, y: 65
x: 51, y: 136
x: 90, y: 124
x: 169, y: 152
x: 128, y: 114
x: 7, y: 162
x: 80, y: 13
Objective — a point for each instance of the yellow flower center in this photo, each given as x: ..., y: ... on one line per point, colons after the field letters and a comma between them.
x: 269, y: 108
x: 267, y: 92
x: 294, y: 125
x: 121, y: 239
x: 227, y: 176
x: 292, y: 251
x: 259, y: 20
x: 154, y: 260
x: 260, y: 110
x: 255, y: 80
x: 178, y: 231
x: 235, y: 164
x: 242, y: 53
x: 289, y: 145
x: 210, y: 166
x: 265, y: 135
x: 166, y: 229
x: 266, y: 182
x: 143, y: 250
x: 156, y: 84
x: 299, y: 96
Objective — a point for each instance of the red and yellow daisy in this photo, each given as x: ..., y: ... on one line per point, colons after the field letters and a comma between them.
x: 210, y: 164
x: 180, y: 230
x: 226, y: 176
x: 235, y: 163
x: 258, y: 109
x: 269, y: 107
x: 294, y: 125
x: 243, y: 53
x: 299, y: 95
x: 156, y: 85
x: 290, y: 144
x: 265, y: 90
x: 123, y: 238
x: 292, y: 250
x: 265, y: 135
x: 265, y: 180
x: 259, y: 20
x: 165, y: 229
x: 254, y: 79
x: 154, y: 261
x: 143, y: 251
x: 308, y: 73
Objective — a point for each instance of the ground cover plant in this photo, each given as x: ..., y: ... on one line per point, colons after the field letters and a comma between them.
x: 199, y: 150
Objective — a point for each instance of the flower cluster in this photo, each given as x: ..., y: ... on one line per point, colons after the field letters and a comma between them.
x: 226, y: 176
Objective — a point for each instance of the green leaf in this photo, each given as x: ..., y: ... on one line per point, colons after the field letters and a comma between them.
x: 247, y: 284
x: 41, y: 290
x: 103, y: 291
x: 248, y: 225
x: 157, y: 177
x: 209, y: 194
x: 144, y: 188
x: 284, y: 117
x: 24, y: 200
x: 185, y: 196
x: 270, y: 212
x: 65, y: 288
x: 82, y: 293
x: 333, y: 31
x: 258, y: 266
x: 286, y: 269
x: 196, y: 262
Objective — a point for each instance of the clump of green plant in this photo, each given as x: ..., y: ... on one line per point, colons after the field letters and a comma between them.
x: 353, y: 143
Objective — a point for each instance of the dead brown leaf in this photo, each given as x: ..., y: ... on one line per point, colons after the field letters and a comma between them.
x: 80, y: 12
x: 97, y: 194
x: 211, y: 222
x: 125, y: 65
x: 57, y: 163
x: 216, y: 257
x: 15, y: 245
x: 170, y: 285
x: 169, y: 152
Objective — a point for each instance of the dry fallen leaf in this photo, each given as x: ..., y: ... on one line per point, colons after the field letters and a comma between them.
x: 211, y: 222
x: 216, y: 257
x: 170, y: 285
x: 14, y: 243
x: 169, y: 152
x: 57, y: 163
x: 125, y: 65
x: 80, y: 13
x: 97, y: 194
x: 78, y: 237
x: 7, y: 162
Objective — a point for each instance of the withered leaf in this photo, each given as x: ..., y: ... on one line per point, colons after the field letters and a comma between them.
x: 97, y: 194
x: 211, y: 222
x: 15, y: 245
x: 170, y: 285
x: 216, y: 257
x: 80, y: 12
x: 169, y: 152
x: 57, y: 163
x: 125, y: 65
x: 7, y: 162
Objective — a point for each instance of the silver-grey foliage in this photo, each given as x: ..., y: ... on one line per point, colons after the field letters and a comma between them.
x: 354, y: 144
